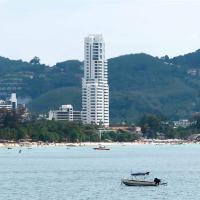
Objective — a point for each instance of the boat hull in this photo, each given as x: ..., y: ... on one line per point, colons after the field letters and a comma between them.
x: 133, y: 182
x: 101, y: 149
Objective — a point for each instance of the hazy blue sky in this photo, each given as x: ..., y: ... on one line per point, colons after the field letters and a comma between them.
x: 54, y: 29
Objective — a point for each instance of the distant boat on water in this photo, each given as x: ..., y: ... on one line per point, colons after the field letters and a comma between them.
x: 129, y: 182
x: 101, y: 147
x: 139, y: 182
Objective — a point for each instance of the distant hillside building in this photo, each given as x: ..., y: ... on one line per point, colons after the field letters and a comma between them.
x: 95, y: 89
x: 65, y: 113
x: 10, y: 104
x: 183, y: 123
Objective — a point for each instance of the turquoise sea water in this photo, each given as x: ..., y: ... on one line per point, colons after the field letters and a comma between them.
x: 81, y: 173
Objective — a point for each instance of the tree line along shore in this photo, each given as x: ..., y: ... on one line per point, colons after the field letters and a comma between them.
x: 14, y: 128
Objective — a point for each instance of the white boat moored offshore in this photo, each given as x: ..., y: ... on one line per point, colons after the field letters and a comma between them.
x: 139, y: 182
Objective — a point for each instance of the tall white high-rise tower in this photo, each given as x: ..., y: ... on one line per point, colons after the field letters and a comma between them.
x: 95, y: 90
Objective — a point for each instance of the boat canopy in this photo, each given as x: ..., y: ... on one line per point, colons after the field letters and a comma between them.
x: 140, y: 174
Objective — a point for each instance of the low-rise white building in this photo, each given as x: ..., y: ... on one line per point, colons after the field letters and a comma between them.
x: 65, y: 113
x: 9, y: 104
x: 76, y: 116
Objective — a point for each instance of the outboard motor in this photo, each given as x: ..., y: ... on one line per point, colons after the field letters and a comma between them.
x: 157, y: 181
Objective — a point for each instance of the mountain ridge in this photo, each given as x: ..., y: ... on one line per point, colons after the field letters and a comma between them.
x: 139, y: 84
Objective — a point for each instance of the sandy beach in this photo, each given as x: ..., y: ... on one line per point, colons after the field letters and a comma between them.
x: 63, y: 144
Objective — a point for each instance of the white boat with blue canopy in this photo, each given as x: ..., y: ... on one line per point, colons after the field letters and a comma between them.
x: 140, y: 182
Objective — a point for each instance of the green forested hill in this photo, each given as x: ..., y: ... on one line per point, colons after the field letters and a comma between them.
x: 34, y: 80
x: 139, y: 83
x: 188, y: 60
x: 143, y: 84
x: 54, y: 98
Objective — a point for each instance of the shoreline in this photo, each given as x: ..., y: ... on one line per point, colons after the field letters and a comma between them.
x: 82, y: 144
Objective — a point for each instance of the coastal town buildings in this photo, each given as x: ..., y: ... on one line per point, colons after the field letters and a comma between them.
x: 95, y: 89
x: 183, y: 123
x: 10, y: 104
x: 65, y: 113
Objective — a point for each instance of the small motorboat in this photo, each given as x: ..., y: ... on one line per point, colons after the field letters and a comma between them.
x: 139, y: 182
x: 100, y: 147
x: 132, y: 182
